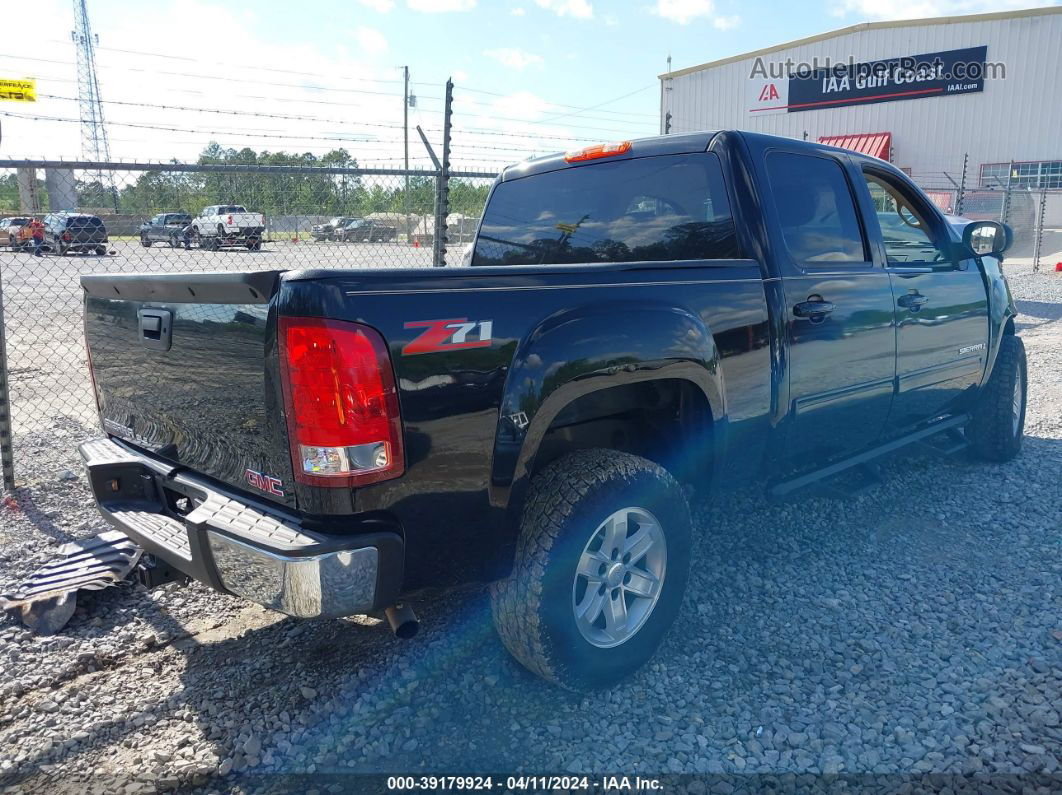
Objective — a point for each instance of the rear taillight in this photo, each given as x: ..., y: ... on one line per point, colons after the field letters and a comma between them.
x: 344, y: 425
x: 230, y: 220
x: 66, y: 237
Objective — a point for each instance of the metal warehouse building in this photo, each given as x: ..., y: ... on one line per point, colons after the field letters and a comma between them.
x: 908, y: 91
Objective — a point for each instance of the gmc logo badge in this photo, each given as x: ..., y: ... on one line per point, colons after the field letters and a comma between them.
x: 266, y: 483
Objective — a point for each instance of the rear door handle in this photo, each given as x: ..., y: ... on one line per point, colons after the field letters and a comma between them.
x: 813, y: 309
x: 912, y: 301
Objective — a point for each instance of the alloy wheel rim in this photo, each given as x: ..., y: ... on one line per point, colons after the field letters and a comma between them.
x: 619, y: 577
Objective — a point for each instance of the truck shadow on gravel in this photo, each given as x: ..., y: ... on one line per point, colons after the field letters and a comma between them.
x: 890, y: 632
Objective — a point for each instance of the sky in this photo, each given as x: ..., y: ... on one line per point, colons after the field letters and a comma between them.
x: 531, y: 76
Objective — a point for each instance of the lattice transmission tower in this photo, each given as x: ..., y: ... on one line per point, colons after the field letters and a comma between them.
x: 94, y: 144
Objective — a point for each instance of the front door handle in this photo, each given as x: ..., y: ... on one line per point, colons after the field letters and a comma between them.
x: 816, y: 310
x: 912, y: 301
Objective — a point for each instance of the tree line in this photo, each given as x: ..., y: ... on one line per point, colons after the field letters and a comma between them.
x: 305, y: 193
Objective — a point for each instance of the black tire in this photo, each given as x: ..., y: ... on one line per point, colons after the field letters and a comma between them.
x: 534, y: 609
x: 174, y: 241
x: 145, y: 242
x: 101, y: 250
x: 254, y: 245
x: 998, y: 424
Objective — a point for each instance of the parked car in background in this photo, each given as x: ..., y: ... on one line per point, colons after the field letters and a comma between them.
x: 228, y: 225
x: 329, y: 231
x: 165, y: 228
x: 65, y: 232
x: 362, y: 230
x: 17, y: 231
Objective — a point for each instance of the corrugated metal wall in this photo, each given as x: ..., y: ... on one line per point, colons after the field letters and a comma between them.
x: 1018, y: 118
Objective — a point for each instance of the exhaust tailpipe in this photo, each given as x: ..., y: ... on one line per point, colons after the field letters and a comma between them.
x: 402, y: 620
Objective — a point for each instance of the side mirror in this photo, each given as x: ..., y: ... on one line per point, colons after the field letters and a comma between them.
x: 987, y: 237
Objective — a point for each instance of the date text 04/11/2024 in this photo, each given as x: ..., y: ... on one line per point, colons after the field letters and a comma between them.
x: 525, y: 783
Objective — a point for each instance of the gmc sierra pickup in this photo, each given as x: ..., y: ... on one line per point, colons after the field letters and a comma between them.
x: 702, y: 309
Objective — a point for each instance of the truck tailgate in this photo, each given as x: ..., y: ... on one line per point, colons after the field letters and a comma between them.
x: 184, y: 366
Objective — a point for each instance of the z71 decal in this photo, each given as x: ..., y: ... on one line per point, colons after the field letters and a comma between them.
x: 449, y: 335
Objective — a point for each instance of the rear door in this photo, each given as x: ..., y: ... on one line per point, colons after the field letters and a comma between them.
x: 839, y: 314
x: 155, y: 228
x: 941, y: 303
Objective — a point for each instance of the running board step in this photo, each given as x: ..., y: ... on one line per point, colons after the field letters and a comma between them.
x: 46, y: 601
x: 785, y: 488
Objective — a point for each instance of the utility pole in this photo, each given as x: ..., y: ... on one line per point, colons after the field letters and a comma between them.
x: 442, y: 183
x: 405, y: 141
x: 667, y: 98
x: 94, y: 144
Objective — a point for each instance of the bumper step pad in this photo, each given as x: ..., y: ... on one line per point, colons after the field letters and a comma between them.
x: 46, y: 601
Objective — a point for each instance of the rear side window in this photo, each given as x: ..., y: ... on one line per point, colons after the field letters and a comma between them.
x: 652, y: 209
x: 816, y: 209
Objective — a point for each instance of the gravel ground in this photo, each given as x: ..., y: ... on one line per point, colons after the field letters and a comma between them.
x: 915, y: 628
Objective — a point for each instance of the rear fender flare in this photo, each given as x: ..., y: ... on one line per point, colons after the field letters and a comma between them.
x: 576, y: 352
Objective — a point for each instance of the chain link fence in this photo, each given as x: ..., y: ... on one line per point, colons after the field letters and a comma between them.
x: 193, y: 217
x: 109, y: 217
x: 1033, y: 213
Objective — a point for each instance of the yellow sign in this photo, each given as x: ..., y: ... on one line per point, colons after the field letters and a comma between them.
x: 24, y: 90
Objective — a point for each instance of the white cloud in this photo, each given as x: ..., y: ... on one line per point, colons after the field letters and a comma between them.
x: 727, y: 23
x: 370, y: 40
x: 611, y: 21
x: 441, y: 6
x: 514, y: 58
x: 683, y: 11
x: 919, y: 9
x: 383, y: 6
x: 519, y: 11
x: 581, y: 9
x: 523, y: 106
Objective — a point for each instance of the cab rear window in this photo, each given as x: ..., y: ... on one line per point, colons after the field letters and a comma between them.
x: 652, y: 209
x: 83, y: 222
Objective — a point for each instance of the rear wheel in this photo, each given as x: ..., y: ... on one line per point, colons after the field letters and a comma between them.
x: 998, y: 424
x: 101, y: 250
x: 601, y: 567
x: 145, y: 242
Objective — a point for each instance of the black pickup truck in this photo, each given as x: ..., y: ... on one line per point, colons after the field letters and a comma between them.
x: 706, y: 309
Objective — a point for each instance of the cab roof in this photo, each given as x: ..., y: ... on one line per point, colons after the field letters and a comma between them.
x: 685, y: 143
x: 640, y: 147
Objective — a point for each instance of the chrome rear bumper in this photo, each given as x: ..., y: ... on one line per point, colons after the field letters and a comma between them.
x: 248, y: 550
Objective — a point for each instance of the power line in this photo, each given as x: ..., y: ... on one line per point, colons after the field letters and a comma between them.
x: 262, y: 68
x: 231, y: 79
x: 562, y: 105
x: 237, y: 133
x: 295, y: 117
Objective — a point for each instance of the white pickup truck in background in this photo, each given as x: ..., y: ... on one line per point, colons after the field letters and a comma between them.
x: 228, y: 224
